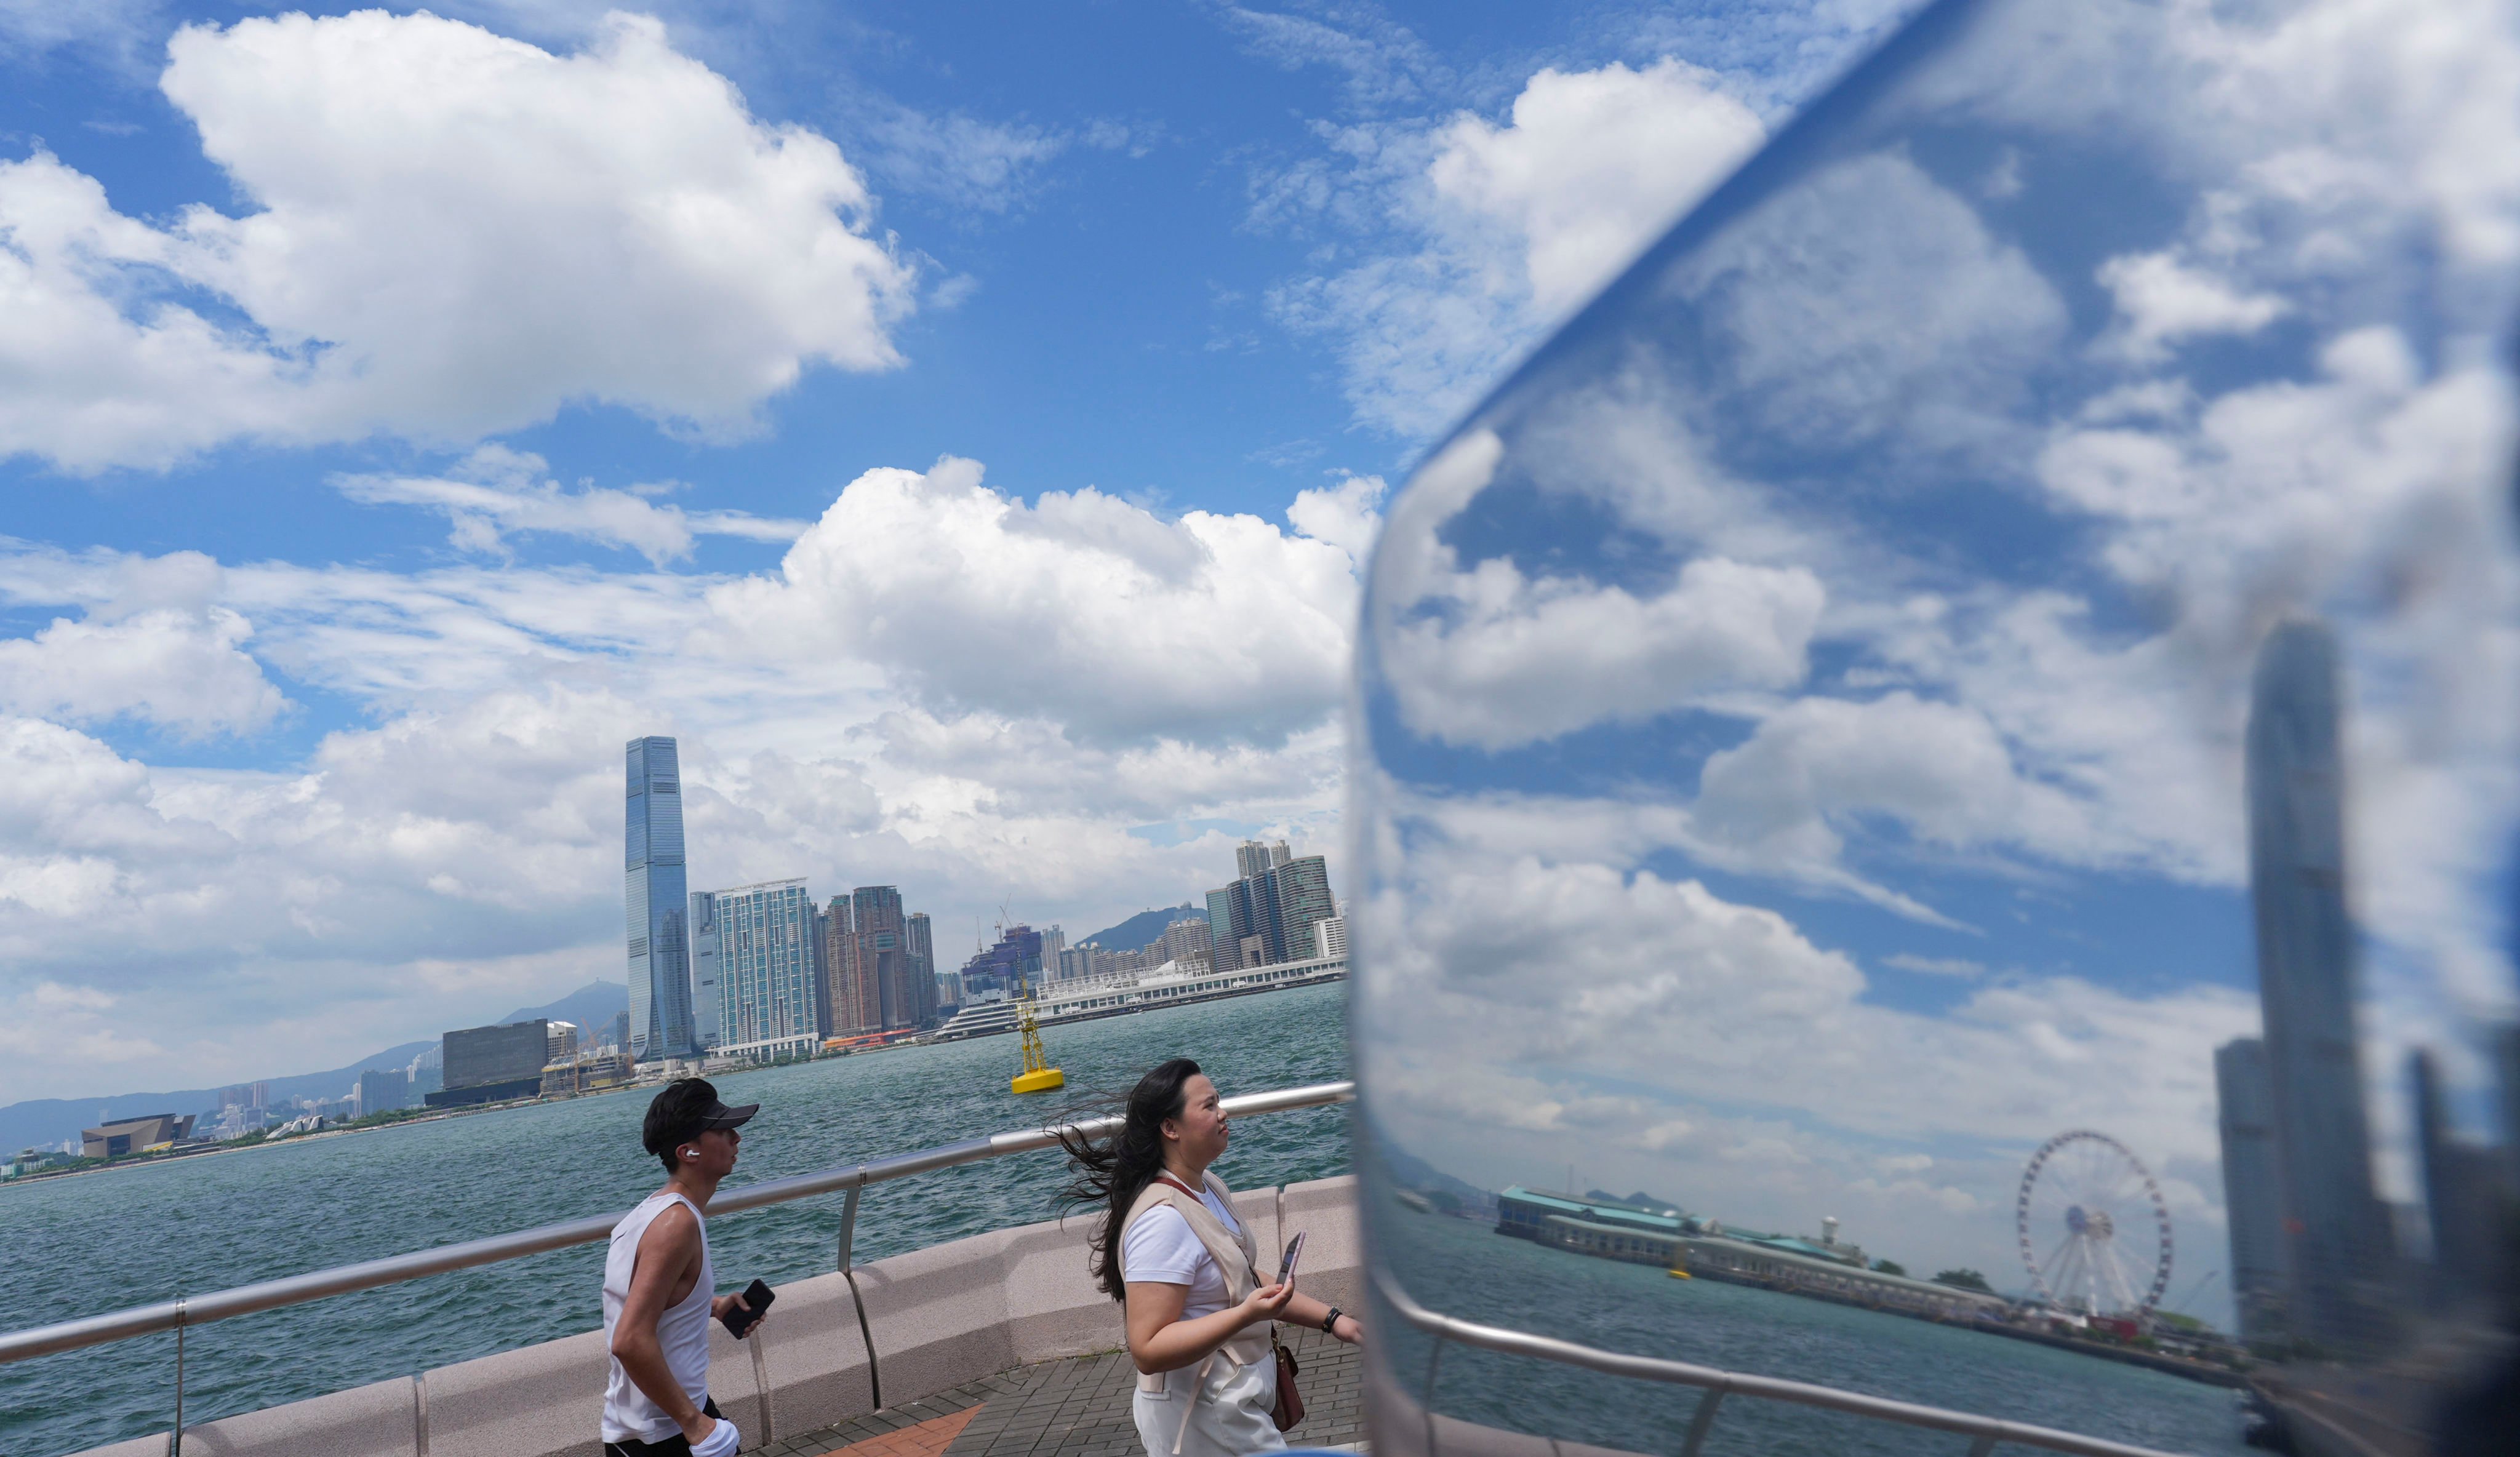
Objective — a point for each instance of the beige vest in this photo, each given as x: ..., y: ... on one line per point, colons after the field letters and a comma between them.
x: 1230, y: 1249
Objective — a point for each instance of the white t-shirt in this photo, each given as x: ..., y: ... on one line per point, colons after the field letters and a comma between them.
x: 1161, y: 1250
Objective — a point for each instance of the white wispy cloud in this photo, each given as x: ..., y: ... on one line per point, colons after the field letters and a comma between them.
x: 496, y: 492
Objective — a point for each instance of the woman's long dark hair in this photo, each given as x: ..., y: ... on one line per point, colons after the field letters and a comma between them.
x: 1115, y: 1172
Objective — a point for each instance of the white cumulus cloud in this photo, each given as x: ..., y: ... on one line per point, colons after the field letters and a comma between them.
x: 445, y: 234
x: 1491, y: 232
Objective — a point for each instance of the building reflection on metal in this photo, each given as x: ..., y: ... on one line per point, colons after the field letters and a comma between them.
x: 2336, y: 1235
x: 1993, y: 643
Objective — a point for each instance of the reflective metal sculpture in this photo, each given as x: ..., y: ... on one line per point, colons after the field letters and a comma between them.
x: 2005, y: 618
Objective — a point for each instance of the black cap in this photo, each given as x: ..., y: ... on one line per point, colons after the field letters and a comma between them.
x: 686, y: 1108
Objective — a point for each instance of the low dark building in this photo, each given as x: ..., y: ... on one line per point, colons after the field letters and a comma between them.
x: 486, y: 1056
x: 130, y: 1135
x: 486, y: 1092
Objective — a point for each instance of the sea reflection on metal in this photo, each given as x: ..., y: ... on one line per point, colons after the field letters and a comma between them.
x: 2004, y: 623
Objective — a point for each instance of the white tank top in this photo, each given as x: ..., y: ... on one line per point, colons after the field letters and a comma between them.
x: 682, y: 1329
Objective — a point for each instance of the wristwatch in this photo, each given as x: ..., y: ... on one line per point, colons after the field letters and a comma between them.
x: 1332, y: 1320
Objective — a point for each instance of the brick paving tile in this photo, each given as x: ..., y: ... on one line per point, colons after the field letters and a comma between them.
x: 1078, y: 1407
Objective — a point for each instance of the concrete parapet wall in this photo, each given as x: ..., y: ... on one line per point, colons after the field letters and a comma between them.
x: 372, y: 1420
x: 814, y: 1357
x: 1334, y: 1266
x: 541, y: 1401
x: 940, y: 1316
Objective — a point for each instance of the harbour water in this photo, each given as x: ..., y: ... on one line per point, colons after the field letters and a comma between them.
x: 1469, y: 1270
x: 128, y: 1237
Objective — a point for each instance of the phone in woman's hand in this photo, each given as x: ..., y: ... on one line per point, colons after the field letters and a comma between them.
x: 1287, y: 1263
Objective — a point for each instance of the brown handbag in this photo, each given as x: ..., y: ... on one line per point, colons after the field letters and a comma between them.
x: 1289, y: 1408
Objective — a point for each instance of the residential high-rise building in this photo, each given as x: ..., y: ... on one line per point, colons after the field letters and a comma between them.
x: 1268, y: 914
x: 661, y: 968
x: 818, y: 947
x: 1251, y: 859
x: 2252, y: 1198
x: 766, y: 959
x: 1228, y: 920
x: 2338, y: 1242
x: 883, y: 959
x: 1303, y: 896
x: 1013, y: 966
x: 1249, y: 923
x: 919, y: 939
x: 1330, y: 936
x: 1053, y: 944
x: 383, y: 1089
x: 708, y: 980
x: 855, y: 1006
x: 1183, y: 940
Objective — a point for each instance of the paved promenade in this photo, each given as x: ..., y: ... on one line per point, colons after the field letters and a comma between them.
x: 1071, y: 1408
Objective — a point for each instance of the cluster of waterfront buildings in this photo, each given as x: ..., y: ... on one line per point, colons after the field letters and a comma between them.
x: 2319, y: 1260
x: 1676, y: 1240
x: 761, y: 972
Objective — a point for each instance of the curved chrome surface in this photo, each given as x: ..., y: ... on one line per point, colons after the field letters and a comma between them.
x: 1719, y: 1383
x: 1999, y: 630
x: 246, y: 1300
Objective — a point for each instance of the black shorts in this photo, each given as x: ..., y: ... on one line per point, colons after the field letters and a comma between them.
x: 676, y: 1445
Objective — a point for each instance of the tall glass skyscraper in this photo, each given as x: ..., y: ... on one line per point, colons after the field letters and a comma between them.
x: 2337, y: 1234
x: 660, y: 966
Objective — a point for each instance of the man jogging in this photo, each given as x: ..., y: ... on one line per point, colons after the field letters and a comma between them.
x: 658, y: 1287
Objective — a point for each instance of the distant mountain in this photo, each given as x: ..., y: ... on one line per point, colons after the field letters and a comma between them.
x: 1414, y: 1172
x: 1640, y: 1199
x: 592, y: 1007
x: 1141, y: 930
x: 49, y: 1120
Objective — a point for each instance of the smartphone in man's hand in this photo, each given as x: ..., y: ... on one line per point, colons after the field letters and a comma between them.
x: 1286, y: 1264
x: 757, y: 1297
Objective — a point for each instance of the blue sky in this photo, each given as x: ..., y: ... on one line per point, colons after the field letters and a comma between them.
x: 962, y: 428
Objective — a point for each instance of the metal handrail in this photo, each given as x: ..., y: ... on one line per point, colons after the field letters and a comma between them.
x: 297, y: 1290
x: 1719, y: 1383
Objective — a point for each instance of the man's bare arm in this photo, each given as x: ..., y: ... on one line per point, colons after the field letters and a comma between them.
x: 669, y: 1257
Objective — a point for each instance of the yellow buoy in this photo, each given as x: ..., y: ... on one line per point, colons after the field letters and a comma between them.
x: 1678, y: 1274
x: 1038, y: 1075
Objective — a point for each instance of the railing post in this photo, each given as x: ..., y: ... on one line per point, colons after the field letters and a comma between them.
x: 175, y: 1442
x: 1702, y: 1421
x: 866, y: 1331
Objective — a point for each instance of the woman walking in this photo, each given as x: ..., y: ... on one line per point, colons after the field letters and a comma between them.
x: 1172, y: 1253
